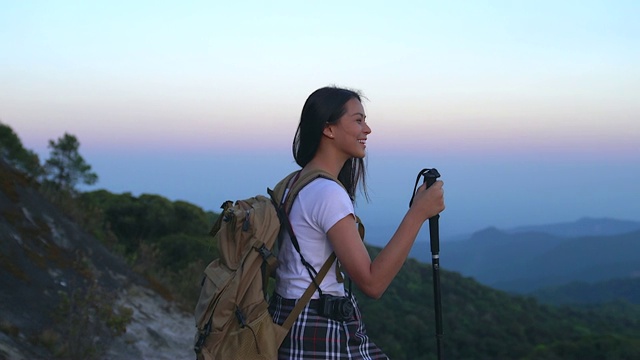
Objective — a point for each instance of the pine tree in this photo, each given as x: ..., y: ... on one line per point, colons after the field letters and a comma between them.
x: 65, y: 166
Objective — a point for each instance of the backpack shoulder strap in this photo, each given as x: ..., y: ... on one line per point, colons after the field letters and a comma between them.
x: 278, y: 191
x: 296, y: 182
x: 283, y: 201
x: 306, y: 296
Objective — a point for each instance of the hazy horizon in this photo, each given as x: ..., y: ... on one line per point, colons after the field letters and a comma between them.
x: 479, y: 194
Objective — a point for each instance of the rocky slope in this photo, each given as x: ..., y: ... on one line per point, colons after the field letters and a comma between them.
x: 45, y: 258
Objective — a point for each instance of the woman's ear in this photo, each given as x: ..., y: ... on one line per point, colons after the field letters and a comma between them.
x: 328, y: 131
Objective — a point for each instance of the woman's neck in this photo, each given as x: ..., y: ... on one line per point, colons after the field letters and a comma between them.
x: 317, y: 163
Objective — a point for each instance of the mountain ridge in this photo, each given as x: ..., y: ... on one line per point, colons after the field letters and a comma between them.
x: 534, y: 257
x: 584, y: 226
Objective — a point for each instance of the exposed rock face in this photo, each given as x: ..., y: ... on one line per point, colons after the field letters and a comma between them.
x: 158, y: 331
x: 43, y: 254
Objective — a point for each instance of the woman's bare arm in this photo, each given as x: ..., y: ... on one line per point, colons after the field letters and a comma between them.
x: 373, y: 277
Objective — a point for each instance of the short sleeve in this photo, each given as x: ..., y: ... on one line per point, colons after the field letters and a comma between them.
x: 331, y: 203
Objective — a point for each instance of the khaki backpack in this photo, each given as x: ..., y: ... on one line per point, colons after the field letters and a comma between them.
x: 232, y: 317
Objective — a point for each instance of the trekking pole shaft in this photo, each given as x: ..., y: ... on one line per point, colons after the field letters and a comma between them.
x: 437, y: 305
x: 434, y: 234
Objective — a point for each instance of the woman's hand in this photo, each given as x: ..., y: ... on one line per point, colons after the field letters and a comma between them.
x: 428, y: 202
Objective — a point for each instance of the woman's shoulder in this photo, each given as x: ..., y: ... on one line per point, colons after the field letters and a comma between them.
x: 324, y: 193
x: 325, y: 185
x: 326, y: 201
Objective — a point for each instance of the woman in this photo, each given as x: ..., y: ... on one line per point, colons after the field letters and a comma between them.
x: 331, y: 136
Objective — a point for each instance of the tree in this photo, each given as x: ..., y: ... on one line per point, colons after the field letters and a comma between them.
x: 12, y: 151
x: 65, y: 166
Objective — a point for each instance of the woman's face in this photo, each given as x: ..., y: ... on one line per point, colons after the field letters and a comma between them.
x: 351, y: 130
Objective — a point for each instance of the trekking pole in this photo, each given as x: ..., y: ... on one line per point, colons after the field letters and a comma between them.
x: 434, y: 234
x: 430, y: 176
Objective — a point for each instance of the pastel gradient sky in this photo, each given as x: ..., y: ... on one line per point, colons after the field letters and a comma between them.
x: 529, y: 109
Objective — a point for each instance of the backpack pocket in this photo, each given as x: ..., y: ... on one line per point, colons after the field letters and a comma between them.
x: 259, y: 339
x: 216, y: 279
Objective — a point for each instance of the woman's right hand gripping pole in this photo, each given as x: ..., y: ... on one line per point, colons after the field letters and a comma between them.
x: 428, y: 202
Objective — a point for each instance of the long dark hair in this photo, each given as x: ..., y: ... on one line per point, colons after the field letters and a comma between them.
x: 326, y: 106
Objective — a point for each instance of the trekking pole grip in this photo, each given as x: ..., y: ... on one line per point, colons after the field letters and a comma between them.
x: 430, y: 177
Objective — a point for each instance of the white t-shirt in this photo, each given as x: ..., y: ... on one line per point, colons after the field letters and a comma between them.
x: 318, y: 206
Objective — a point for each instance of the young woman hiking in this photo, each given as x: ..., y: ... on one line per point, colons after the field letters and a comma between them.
x: 331, y: 136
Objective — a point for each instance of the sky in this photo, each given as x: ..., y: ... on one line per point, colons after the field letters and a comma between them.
x: 530, y: 110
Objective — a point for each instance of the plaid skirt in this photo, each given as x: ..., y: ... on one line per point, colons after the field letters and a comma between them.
x: 316, y: 337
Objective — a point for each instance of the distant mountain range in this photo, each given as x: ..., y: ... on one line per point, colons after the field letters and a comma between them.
x: 528, y: 258
x: 585, y: 226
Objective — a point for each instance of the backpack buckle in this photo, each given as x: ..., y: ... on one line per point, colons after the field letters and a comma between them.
x: 267, y: 255
x: 202, y: 337
x: 264, y: 251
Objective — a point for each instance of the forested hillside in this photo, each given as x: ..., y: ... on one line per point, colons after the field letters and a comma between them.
x: 166, y: 243
x: 591, y: 293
